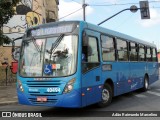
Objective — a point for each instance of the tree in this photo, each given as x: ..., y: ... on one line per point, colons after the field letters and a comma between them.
x: 6, y: 13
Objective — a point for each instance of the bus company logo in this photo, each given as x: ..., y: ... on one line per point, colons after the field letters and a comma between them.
x: 6, y: 114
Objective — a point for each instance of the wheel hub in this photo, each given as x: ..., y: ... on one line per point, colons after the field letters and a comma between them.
x: 105, y: 95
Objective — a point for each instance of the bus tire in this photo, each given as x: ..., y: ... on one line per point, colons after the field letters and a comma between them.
x: 146, y: 84
x: 107, y: 95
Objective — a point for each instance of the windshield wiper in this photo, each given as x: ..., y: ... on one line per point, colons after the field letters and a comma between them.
x: 55, y: 44
x: 35, y: 44
x: 37, y: 47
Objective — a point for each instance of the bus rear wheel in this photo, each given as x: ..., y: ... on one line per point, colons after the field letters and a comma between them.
x: 107, y: 95
x: 146, y: 84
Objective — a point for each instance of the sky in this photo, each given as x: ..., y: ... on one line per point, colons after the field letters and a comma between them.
x: 127, y: 22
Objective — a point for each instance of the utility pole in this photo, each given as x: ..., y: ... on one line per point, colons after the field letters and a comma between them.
x: 84, y: 5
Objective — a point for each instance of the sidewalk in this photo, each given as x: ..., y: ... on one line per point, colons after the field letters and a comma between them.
x: 8, y: 95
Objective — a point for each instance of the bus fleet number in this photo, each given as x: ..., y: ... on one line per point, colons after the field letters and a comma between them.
x: 53, y: 90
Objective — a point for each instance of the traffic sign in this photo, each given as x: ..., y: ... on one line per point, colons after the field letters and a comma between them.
x: 144, y: 9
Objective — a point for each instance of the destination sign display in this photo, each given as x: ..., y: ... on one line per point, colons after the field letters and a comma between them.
x: 49, y: 30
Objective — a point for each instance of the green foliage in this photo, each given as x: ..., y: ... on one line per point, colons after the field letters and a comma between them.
x: 4, y: 39
x: 6, y: 13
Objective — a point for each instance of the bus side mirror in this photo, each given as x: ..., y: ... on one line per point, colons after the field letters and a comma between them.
x: 16, y: 53
x: 16, y: 49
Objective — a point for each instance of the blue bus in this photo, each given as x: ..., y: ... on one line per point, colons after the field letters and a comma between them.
x: 75, y: 64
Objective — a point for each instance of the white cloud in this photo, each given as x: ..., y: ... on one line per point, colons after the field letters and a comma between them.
x: 65, y: 8
x: 153, y: 21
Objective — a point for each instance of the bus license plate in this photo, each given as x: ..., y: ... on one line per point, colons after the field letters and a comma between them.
x: 42, y: 99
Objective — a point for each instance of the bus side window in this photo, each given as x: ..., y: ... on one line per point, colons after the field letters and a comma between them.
x: 90, y: 54
x: 122, y: 50
x: 154, y: 55
x: 133, y: 51
x: 141, y: 54
x: 92, y: 50
x: 108, y: 48
x: 148, y: 54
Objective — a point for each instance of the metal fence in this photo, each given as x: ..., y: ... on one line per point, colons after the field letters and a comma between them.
x: 6, y: 76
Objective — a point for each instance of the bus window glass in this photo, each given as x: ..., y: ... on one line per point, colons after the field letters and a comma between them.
x: 48, y: 57
x: 31, y: 61
x: 122, y: 50
x: 154, y: 55
x: 133, y: 52
x: 148, y: 55
x: 90, y: 54
x: 63, y: 58
x: 92, y: 50
x: 108, y: 50
x: 141, y: 53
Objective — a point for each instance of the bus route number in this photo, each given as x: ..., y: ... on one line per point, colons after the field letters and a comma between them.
x: 53, y: 90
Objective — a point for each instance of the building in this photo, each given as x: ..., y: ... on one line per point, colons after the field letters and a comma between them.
x: 52, y: 10
x: 28, y: 14
x: 5, y: 55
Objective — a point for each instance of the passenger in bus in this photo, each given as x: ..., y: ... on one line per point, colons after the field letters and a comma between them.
x: 83, y: 57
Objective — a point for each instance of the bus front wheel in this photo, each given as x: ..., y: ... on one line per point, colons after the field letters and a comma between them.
x: 106, y: 96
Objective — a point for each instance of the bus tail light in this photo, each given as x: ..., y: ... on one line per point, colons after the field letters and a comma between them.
x: 20, y: 87
x: 69, y: 87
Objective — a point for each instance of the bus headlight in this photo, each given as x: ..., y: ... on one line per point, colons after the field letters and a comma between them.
x: 69, y: 87
x: 20, y: 87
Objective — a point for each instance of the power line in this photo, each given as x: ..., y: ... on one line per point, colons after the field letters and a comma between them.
x: 104, y: 5
x: 155, y: 7
x: 113, y: 4
x: 118, y: 4
x: 76, y: 1
x: 70, y: 14
x: 124, y: 21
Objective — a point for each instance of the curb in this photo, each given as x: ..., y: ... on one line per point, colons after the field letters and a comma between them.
x: 8, y: 103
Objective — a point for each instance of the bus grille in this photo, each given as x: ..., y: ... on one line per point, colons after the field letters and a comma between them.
x: 42, y: 86
x: 43, y: 83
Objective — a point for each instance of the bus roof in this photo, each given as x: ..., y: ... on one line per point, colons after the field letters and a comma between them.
x: 118, y: 34
x: 99, y: 29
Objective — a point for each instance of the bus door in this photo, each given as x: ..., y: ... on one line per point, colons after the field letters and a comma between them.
x: 137, y: 67
x: 91, y: 70
x: 151, y: 64
x: 122, y: 66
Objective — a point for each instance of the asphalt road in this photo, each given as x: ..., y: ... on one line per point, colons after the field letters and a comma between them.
x: 133, y: 101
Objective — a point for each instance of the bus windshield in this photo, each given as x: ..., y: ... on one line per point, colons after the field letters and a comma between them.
x: 50, y: 57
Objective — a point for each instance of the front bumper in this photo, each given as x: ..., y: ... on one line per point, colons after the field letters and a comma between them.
x: 69, y: 100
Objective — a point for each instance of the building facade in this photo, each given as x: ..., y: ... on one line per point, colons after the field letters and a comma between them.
x: 29, y: 13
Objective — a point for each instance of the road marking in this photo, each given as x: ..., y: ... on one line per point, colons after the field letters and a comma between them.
x: 157, y: 89
x: 153, y: 93
x: 141, y: 95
